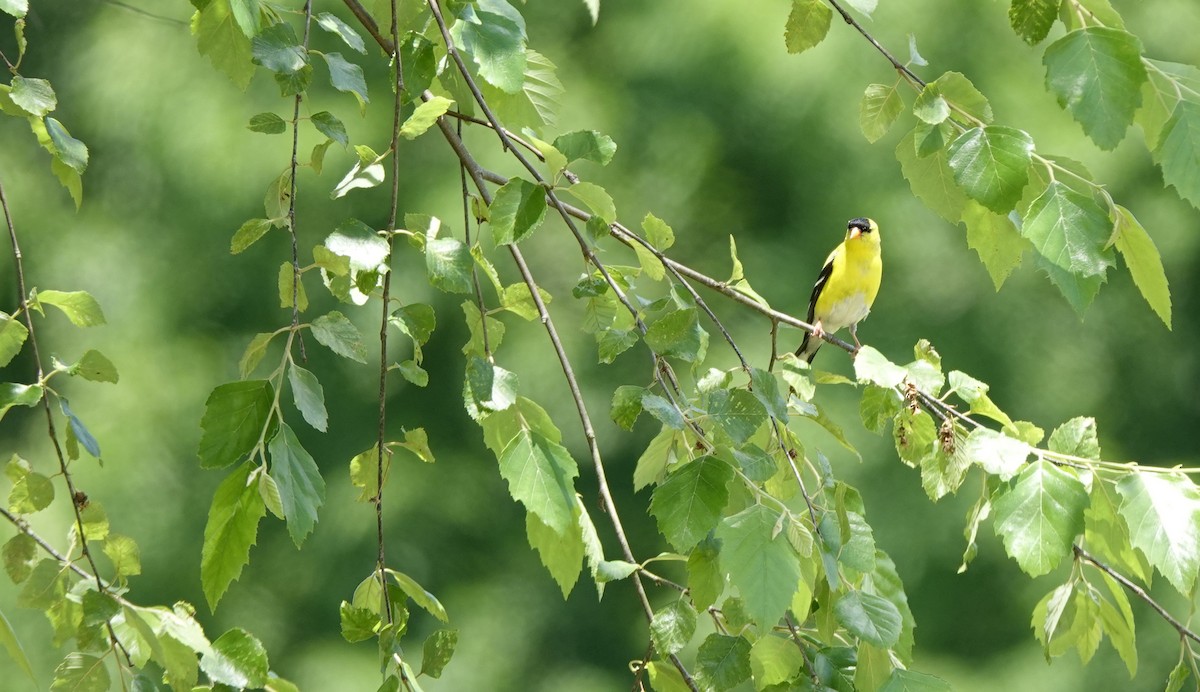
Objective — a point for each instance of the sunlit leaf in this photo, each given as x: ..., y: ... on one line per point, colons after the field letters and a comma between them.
x: 1040, y: 515
x: 807, y: 25
x: 689, y: 502
x: 1097, y: 75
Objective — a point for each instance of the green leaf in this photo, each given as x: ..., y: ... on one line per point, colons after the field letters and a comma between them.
x: 673, y: 626
x: 291, y: 286
x: 959, y: 92
x: 236, y: 659
x: 79, y: 306
x: 248, y: 234
x: 872, y: 366
x: 425, y: 115
x: 69, y: 150
x: 358, y: 624
x: 765, y: 388
x: 626, y: 405
x: 872, y: 618
x: 232, y: 528
x: 1040, y: 515
x: 124, y: 553
x: 329, y: 125
x: 658, y: 232
x: 774, y: 660
x: 420, y: 596
x: 931, y: 107
x: 267, y: 124
x: 689, y: 502
x: 12, y: 338
x: 12, y: 394
x: 18, y: 8
x: 34, y: 96
x: 234, y: 417
x: 537, y: 102
x: 678, y: 333
x: 301, y: 487
x: 254, y: 353
x: 1163, y: 514
x: 516, y: 211
x: 220, y: 38
x: 46, y: 584
x: 295, y: 83
x: 586, y: 144
x: 1179, y: 675
x: 365, y: 173
x: 437, y: 651
x: 278, y: 49
x: 495, y: 39
x: 996, y: 453
x: 562, y: 554
x: 448, y: 263
x: 931, y: 179
x: 1097, y: 75
x: 992, y: 165
x: 1070, y: 233
x: 81, y: 673
x: 347, y: 77
x: 540, y: 475
x: 597, y: 200
x: 1167, y: 84
x: 1144, y: 262
x: 1032, y: 19
x: 20, y: 555
x: 995, y: 239
x: 760, y: 562
x: 8, y: 637
x: 342, y: 30
x: 722, y: 662
x: 738, y: 413
x: 33, y: 492
x: 807, y: 25
x: 489, y: 388
x: 337, y: 333
x: 880, y: 107
x: 1076, y: 437
x: 96, y: 367
x: 1178, y: 151
x: 309, y: 397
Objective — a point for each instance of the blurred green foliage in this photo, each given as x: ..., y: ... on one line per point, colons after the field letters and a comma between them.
x: 720, y: 132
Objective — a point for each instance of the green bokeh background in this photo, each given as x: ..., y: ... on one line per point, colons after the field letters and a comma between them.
x: 721, y: 133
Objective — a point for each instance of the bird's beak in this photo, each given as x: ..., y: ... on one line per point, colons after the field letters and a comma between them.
x: 855, y: 232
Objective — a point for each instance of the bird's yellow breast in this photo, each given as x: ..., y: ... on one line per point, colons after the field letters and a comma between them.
x: 853, y: 284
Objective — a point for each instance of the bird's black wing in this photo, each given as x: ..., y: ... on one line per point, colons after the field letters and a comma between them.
x: 822, y: 279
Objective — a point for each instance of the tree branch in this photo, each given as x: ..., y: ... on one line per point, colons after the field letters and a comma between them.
x: 1136, y: 591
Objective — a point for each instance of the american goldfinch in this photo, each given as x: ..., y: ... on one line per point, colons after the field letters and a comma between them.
x: 846, y: 287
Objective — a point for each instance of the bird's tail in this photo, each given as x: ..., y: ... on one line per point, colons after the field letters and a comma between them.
x: 808, y: 347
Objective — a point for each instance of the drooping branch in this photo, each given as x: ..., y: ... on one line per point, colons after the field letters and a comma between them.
x: 1136, y: 590
x: 73, y: 493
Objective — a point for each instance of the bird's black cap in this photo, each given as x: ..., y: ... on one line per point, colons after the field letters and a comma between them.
x: 861, y: 224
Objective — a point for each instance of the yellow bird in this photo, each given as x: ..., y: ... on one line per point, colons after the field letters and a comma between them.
x: 846, y: 287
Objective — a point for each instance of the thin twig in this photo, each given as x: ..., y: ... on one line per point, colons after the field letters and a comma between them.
x: 900, y: 67
x: 23, y: 306
x: 145, y: 13
x: 380, y: 440
x: 1136, y: 591
x: 589, y: 434
x: 292, y: 195
x: 466, y: 200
